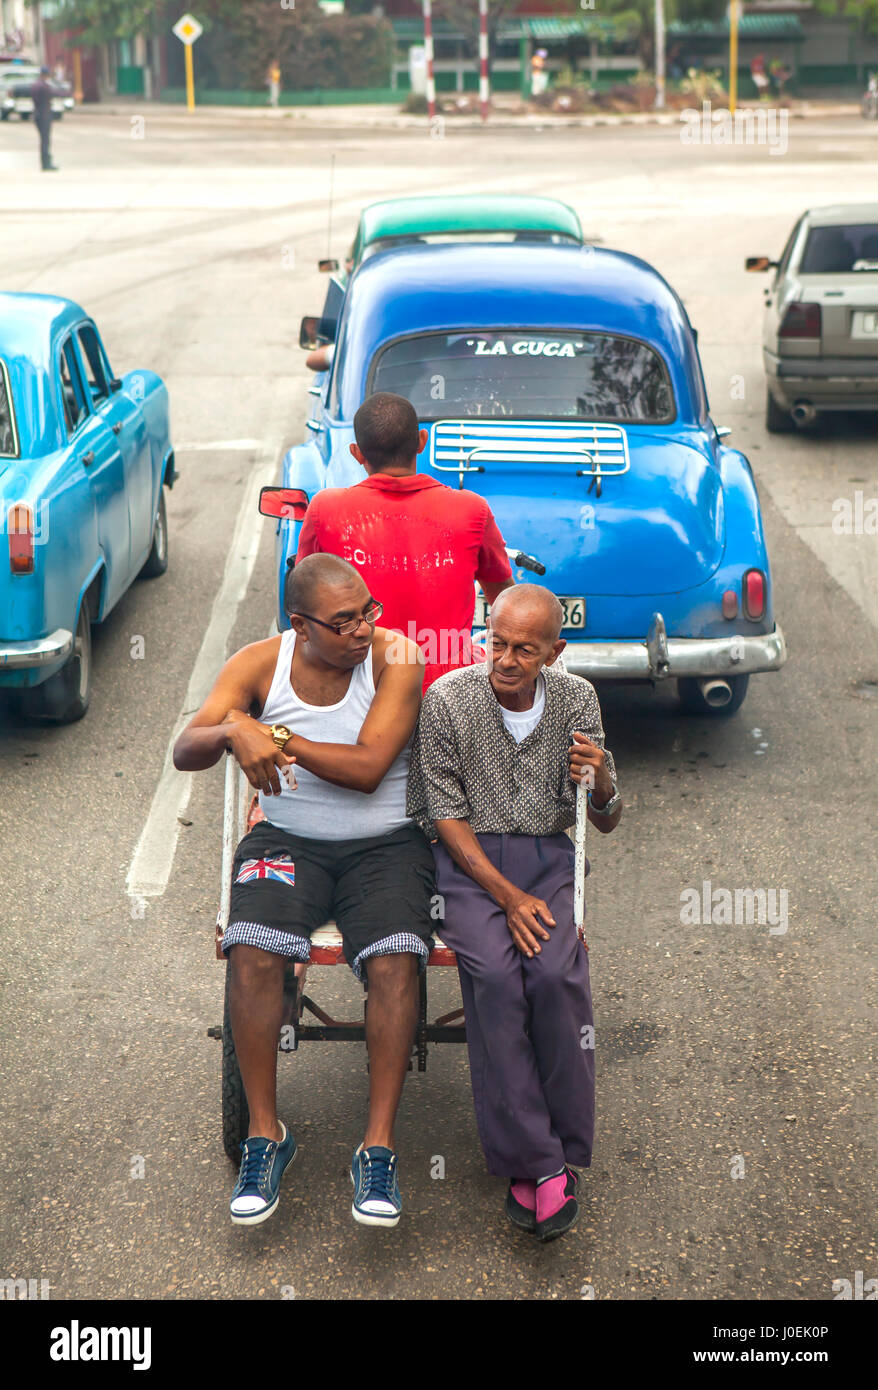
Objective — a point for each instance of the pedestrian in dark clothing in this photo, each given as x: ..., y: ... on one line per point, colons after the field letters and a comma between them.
x: 41, y: 95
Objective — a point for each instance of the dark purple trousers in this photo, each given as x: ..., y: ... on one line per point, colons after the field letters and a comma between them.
x: 529, y: 1022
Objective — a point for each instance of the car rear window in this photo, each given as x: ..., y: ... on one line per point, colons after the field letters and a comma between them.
x: 527, y: 374
x: 545, y: 238
x: 841, y: 250
x: 8, y: 437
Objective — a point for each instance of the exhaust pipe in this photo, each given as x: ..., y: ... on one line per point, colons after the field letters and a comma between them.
x: 803, y: 413
x: 715, y: 692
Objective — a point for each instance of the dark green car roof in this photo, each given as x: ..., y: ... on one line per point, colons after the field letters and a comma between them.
x: 467, y: 212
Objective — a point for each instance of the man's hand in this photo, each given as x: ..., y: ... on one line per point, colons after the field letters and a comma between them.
x: 525, y: 917
x: 256, y: 751
x: 588, y: 766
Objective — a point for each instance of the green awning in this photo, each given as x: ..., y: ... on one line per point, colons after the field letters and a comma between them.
x: 542, y: 30
x: 750, y: 26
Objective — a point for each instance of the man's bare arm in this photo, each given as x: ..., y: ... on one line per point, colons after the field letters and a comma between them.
x: 386, y: 729
x: 224, y: 722
x: 492, y: 590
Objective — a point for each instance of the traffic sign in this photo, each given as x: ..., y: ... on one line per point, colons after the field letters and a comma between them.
x: 188, y: 29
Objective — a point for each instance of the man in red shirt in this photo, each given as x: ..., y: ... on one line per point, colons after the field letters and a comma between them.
x: 418, y: 544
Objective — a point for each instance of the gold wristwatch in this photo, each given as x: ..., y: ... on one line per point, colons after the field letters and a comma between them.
x: 280, y: 733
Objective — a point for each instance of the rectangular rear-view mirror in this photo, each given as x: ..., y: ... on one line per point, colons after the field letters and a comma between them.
x: 315, y: 331
x: 759, y: 263
x: 328, y: 265
x: 287, y: 503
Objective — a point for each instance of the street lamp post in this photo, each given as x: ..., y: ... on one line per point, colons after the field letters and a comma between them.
x: 733, y: 55
x: 659, y: 55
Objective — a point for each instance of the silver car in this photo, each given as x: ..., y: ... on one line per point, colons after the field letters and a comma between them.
x: 820, y: 340
x: 15, y: 98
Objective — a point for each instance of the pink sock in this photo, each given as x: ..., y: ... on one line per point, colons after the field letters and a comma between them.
x: 524, y: 1190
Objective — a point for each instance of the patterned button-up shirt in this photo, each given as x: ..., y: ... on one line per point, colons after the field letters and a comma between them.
x: 465, y: 764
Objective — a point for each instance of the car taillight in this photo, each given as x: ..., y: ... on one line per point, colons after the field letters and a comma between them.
x: 283, y: 502
x: 801, y: 321
x: 20, y: 529
x: 753, y: 594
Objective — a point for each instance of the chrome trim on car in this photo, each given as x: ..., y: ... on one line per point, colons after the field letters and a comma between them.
x: 41, y: 651
x: 630, y: 659
x: 7, y: 386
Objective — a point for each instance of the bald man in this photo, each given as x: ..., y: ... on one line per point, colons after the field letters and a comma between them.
x: 336, y: 842
x: 493, y: 775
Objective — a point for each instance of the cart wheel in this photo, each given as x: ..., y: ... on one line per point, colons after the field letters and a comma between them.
x: 236, y: 1115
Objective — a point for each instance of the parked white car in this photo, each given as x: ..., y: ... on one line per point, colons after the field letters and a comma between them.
x: 15, y: 81
x: 820, y: 340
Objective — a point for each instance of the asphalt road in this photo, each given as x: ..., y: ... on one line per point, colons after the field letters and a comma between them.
x: 721, y: 1050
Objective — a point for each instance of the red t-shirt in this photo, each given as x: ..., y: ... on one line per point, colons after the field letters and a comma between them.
x: 419, y: 545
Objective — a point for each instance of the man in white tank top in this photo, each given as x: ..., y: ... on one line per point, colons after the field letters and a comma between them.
x: 335, y: 698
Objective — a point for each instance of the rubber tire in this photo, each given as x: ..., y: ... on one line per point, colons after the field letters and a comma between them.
x: 693, y: 702
x: 64, y: 697
x: 157, y: 559
x: 236, y: 1113
x: 777, y: 420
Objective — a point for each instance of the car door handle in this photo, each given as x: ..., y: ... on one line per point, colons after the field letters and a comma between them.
x: 117, y: 428
x: 88, y: 456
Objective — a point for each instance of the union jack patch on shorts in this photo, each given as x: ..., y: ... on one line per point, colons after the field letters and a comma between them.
x: 281, y: 868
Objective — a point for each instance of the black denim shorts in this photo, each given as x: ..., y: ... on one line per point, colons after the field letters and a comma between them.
x: 380, y: 891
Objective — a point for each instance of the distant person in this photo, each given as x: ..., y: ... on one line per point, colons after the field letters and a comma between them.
x: 778, y: 75
x: 539, y: 78
x: 759, y: 75
x: 273, y: 79
x: 419, y: 544
x: 41, y: 95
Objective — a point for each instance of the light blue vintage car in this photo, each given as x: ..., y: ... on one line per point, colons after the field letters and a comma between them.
x: 84, y: 459
x: 563, y: 384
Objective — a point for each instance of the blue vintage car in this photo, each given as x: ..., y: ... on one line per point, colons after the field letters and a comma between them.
x: 563, y: 384
x: 84, y: 456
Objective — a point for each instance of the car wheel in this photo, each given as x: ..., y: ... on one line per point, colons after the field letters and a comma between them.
x: 777, y: 420
x: 693, y: 702
x: 157, y: 559
x: 64, y: 697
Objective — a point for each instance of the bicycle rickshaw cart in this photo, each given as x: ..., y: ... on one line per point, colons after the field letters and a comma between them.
x: 241, y: 811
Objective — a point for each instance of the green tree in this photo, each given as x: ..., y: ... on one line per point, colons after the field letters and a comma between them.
x: 102, y: 21
x: 863, y: 12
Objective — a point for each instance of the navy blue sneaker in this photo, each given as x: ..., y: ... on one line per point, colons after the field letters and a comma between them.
x: 376, y: 1188
x: 257, y: 1190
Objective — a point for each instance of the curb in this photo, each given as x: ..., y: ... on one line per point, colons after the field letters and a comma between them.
x: 375, y: 117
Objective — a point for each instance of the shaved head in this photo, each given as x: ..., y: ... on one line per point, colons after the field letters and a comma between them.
x: 530, y: 606
x: 386, y: 430
x: 312, y: 577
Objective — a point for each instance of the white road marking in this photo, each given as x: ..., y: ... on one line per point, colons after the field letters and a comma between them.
x: 216, y: 445
x: 154, y: 857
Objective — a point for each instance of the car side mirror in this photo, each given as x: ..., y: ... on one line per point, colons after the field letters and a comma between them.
x: 327, y: 265
x: 758, y: 263
x: 283, y: 502
x: 315, y: 331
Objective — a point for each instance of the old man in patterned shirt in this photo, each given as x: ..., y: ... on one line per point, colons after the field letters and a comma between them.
x: 498, y: 751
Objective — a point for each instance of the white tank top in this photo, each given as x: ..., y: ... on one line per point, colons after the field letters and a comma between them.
x: 319, y: 810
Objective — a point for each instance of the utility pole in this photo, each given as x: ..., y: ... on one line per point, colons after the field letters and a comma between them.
x: 659, y: 55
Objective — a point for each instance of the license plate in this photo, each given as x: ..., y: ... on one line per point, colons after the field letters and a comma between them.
x: 865, y: 324
x: 574, y: 611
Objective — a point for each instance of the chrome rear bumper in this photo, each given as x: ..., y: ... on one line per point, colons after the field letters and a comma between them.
x: 42, y: 651
x: 663, y: 657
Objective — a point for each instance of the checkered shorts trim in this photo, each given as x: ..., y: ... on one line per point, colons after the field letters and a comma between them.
x: 397, y: 944
x: 280, y: 943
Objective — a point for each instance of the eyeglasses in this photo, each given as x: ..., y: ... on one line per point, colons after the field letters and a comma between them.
x: 370, y: 615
